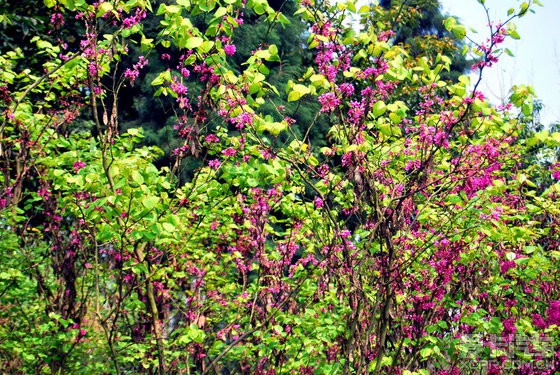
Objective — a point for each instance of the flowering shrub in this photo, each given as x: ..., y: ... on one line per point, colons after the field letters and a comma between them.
x: 416, y: 229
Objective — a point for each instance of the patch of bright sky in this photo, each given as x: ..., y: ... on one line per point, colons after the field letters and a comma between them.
x: 536, y: 60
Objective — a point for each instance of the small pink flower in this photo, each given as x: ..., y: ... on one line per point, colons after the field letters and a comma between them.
x: 211, y: 138
x: 538, y: 321
x: 556, y: 171
x: 329, y: 101
x: 214, y: 163
x: 412, y: 165
x: 229, y: 151
x: 553, y: 313
x: 347, y: 89
x: 318, y: 202
x: 135, y: 19
x: 178, y: 87
x: 78, y: 165
x: 345, y: 233
x: 81, y: 334
x: 44, y: 192
x: 57, y: 19
x: 385, y: 35
x: 506, y: 265
x: 229, y: 49
x: 93, y: 69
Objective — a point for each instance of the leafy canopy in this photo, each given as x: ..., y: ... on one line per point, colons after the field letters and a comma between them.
x: 414, y: 238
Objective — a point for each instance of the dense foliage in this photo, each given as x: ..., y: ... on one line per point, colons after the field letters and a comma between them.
x: 414, y: 238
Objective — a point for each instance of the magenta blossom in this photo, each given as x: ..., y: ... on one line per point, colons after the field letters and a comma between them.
x: 556, y: 171
x: 538, y: 321
x: 329, y: 101
x: 229, y: 49
x: 134, y: 73
x: 214, y: 164
x: 229, y: 151
x: 78, y: 165
x: 553, y: 313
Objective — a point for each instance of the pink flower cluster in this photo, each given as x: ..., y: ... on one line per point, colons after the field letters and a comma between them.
x: 556, y: 171
x: 553, y: 313
x: 229, y: 49
x: 138, y: 16
x: 134, y: 73
x: 488, y: 49
x: 57, y: 20
x: 329, y: 101
x: 78, y: 165
x: 243, y: 120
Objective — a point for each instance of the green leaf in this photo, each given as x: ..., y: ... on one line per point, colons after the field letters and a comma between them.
x: 220, y: 12
x: 542, y: 135
x: 103, y: 8
x: 275, y: 128
x: 194, y: 42
x: 555, y: 136
x: 150, y: 202
x: 146, y: 43
x: 379, y: 108
x: 262, y: 54
x: 162, y: 78
x: 206, y: 46
x: 511, y: 256
x: 196, y: 334
x: 512, y: 31
x: 294, y: 96
x: 161, y: 9
x: 459, y: 31
x: 395, y: 118
x: 69, y: 4
x: 385, y: 128
x: 259, y: 9
x: 137, y: 177
x: 523, y: 9
x: 297, y: 92
x: 449, y: 23
x: 43, y: 44
x: 173, y: 9
x: 312, y: 161
x: 168, y: 227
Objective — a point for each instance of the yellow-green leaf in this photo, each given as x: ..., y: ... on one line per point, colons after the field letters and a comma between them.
x: 103, y: 8
x: 194, y: 42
